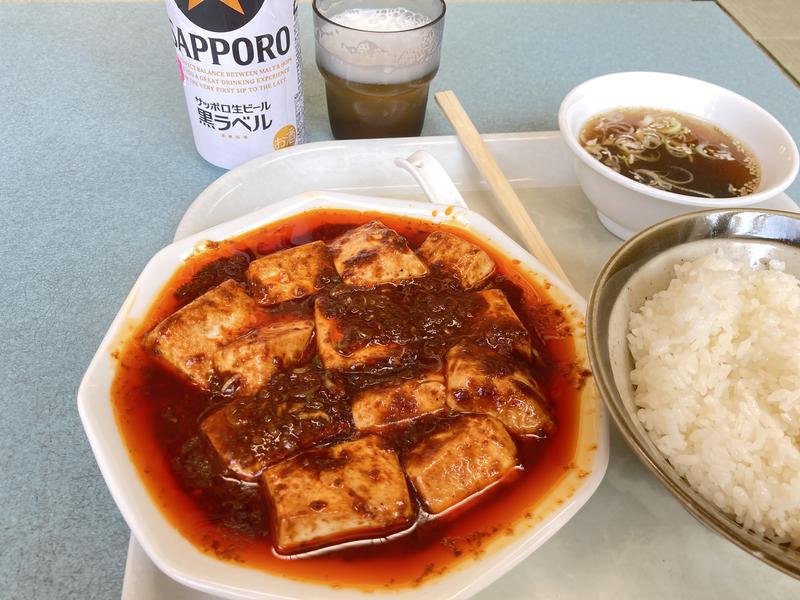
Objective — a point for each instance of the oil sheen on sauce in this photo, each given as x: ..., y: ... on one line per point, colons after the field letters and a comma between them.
x: 158, y: 414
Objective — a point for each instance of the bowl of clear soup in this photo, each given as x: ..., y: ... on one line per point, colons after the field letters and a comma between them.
x: 650, y: 146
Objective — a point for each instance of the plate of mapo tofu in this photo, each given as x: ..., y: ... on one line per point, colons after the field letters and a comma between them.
x: 355, y: 399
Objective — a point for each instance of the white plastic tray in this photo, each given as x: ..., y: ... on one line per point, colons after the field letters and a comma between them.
x: 632, y: 539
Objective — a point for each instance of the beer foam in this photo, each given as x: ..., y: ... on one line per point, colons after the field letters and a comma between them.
x: 380, y: 19
x: 378, y: 45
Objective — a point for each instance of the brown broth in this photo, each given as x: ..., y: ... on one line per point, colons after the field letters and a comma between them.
x: 671, y: 151
x: 158, y: 414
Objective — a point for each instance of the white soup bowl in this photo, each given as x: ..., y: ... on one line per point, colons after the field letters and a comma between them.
x: 625, y: 206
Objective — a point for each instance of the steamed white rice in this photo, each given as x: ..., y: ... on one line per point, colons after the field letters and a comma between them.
x: 717, y: 383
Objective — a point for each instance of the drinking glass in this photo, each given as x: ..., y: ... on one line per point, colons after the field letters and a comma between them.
x: 378, y: 58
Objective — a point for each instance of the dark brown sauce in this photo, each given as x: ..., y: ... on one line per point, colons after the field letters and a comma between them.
x: 671, y: 151
x: 159, y: 413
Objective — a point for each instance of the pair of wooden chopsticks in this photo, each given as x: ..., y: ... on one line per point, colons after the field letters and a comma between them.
x: 501, y: 188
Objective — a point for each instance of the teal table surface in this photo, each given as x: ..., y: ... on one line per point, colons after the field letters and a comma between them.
x: 98, y: 166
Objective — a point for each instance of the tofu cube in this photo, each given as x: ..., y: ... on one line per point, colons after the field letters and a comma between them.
x: 260, y: 353
x: 499, y: 326
x: 469, y: 263
x: 330, y: 338
x: 352, y: 490
x: 398, y: 401
x: 189, y: 338
x: 374, y: 254
x: 480, y: 380
x: 291, y: 274
x: 250, y: 434
x: 462, y: 457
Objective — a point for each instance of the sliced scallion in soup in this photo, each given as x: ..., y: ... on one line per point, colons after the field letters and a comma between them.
x: 672, y: 152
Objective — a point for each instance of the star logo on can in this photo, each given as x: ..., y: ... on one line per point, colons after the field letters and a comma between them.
x: 220, y: 16
x: 234, y: 4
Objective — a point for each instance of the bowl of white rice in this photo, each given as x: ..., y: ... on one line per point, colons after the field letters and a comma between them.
x: 694, y: 338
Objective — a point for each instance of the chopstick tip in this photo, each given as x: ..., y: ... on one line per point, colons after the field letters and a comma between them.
x: 444, y: 95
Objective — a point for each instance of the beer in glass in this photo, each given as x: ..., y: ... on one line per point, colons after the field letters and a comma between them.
x: 378, y: 58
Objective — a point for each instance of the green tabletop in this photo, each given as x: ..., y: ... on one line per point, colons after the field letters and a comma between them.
x: 98, y: 166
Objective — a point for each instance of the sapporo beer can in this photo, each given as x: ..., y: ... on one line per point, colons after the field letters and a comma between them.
x: 239, y: 62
